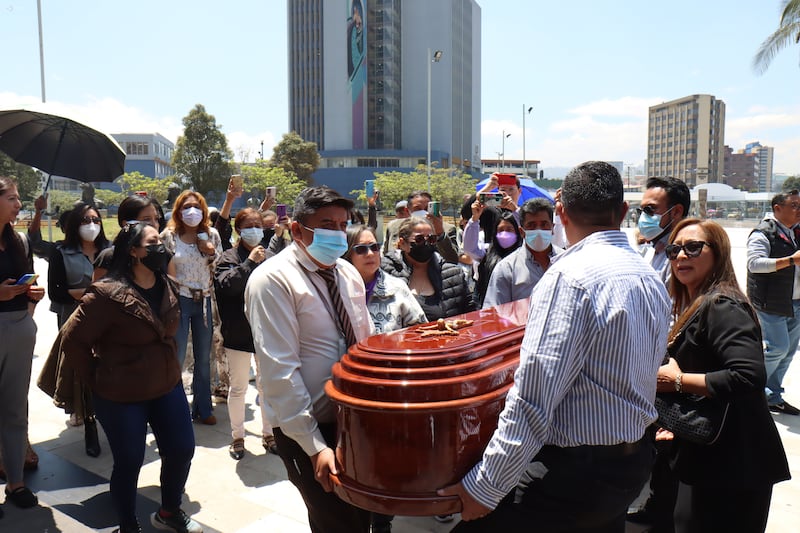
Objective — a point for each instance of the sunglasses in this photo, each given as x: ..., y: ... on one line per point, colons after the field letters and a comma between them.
x: 650, y: 211
x: 91, y: 220
x: 419, y: 239
x: 362, y: 249
x: 692, y: 249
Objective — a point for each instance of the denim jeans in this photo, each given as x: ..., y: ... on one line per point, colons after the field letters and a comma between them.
x: 125, y: 425
x: 202, y: 330
x: 781, y: 336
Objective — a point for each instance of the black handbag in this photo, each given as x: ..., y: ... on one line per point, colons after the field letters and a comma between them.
x: 697, y: 419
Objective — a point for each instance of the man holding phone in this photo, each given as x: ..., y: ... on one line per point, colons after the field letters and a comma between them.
x: 506, y: 184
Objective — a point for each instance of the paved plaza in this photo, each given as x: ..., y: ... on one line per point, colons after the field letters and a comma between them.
x: 252, y: 495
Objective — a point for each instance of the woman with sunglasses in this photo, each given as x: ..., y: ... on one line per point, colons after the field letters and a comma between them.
x: 195, y: 246
x: 68, y: 276
x: 715, y: 350
x: 121, y: 340
x: 439, y: 287
x: 230, y: 278
x: 389, y: 300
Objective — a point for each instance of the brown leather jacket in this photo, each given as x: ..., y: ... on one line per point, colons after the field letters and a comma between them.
x: 117, y: 346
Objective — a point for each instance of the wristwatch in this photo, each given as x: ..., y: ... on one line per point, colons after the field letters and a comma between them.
x: 791, y: 261
x: 679, y: 383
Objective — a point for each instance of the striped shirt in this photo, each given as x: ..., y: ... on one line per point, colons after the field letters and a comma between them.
x: 596, y: 335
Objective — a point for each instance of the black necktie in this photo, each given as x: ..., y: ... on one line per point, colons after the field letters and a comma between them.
x: 329, y: 275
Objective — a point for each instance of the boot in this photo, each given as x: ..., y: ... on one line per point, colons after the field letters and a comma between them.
x: 91, y: 438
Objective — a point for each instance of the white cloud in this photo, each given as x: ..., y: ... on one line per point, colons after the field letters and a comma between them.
x: 627, y: 106
x: 112, y: 116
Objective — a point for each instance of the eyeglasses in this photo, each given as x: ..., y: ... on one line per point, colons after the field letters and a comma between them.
x: 420, y: 239
x: 692, y: 249
x: 362, y: 249
x: 793, y: 205
x: 650, y: 211
x: 91, y: 220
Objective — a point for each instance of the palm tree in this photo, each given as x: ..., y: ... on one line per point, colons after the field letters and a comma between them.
x: 788, y: 31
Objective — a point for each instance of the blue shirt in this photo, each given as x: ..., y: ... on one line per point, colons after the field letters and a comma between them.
x: 515, y: 276
x: 595, y: 337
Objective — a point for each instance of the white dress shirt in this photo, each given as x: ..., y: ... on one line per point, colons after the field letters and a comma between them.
x: 297, y: 339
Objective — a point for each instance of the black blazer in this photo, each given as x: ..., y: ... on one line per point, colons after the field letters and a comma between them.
x: 723, y: 341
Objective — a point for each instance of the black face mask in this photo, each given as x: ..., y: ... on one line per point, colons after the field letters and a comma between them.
x: 422, y: 253
x: 268, y: 233
x: 157, y: 257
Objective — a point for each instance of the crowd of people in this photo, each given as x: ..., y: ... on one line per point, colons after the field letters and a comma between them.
x: 609, y: 326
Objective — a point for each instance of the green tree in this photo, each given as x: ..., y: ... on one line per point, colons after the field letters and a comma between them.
x: 132, y: 182
x: 62, y: 200
x: 792, y: 183
x: 788, y: 33
x: 293, y: 154
x: 29, y: 181
x: 449, y: 186
x: 202, y: 154
x: 258, y: 177
x: 109, y: 197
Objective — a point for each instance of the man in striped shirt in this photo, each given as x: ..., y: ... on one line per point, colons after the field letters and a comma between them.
x: 568, y: 453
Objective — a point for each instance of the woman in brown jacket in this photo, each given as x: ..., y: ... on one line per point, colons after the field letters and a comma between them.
x: 121, y: 342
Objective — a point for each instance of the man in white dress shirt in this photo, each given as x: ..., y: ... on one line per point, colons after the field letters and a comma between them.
x: 298, y: 335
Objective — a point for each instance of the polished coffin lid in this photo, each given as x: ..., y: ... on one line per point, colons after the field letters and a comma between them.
x: 414, y: 413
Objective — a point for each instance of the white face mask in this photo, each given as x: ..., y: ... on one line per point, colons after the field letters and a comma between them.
x: 89, y: 232
x: 421, y: 214
x: 192, y: 216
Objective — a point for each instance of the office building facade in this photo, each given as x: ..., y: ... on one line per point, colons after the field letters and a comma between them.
x: 359, y: 73
x: 686, y: 139
x: 764, y: 156
x: 147, y: 153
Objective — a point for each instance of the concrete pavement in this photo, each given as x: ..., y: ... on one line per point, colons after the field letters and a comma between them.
x: 251, y: 495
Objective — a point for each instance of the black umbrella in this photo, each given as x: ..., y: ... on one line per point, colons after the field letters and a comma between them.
x: 60, y: 146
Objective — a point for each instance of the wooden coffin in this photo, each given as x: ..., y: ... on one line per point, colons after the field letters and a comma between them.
x: 416, y: 411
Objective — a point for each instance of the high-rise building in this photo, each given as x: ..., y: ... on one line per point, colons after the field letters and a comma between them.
x: 764, y: 155
x: 686, y: 138
x: 360, y: 72
x: 741, y: 170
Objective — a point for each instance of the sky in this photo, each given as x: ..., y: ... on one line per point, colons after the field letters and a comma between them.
x: 590, y: 69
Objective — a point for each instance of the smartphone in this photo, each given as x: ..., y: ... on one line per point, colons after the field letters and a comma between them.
x: 280, y: 210
x: 506, y: 179
x: 272, y: 192
x: 370, y: 187
x: 490, y: 199
x: 237, y: 181
x: 435, y: 208
x: 27, y: 279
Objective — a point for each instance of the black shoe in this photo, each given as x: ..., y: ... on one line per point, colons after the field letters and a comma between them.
x: 642, y: 516
x: 90, y: 437
x: 785, y: 408
x: 236, y: 449
x: 22, y: 497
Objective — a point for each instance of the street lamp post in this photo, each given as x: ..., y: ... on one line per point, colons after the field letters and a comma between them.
x: 524, y: 162
x: 437, y: 55
x: 505, y: 136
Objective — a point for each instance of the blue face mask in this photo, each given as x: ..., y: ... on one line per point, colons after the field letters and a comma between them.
x: 327, y: 245
x: 650, y: 225
x: 538, y: 239
x: 252, y: 236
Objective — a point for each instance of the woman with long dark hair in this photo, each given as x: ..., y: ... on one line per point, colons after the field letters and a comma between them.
x: 506, y: 239
x: 121, y: 341
x: 438, y: 286
x: 18, y: 331
x: 715, y: 351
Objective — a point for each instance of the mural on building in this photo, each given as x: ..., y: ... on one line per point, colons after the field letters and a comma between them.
x: 356, y: 67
